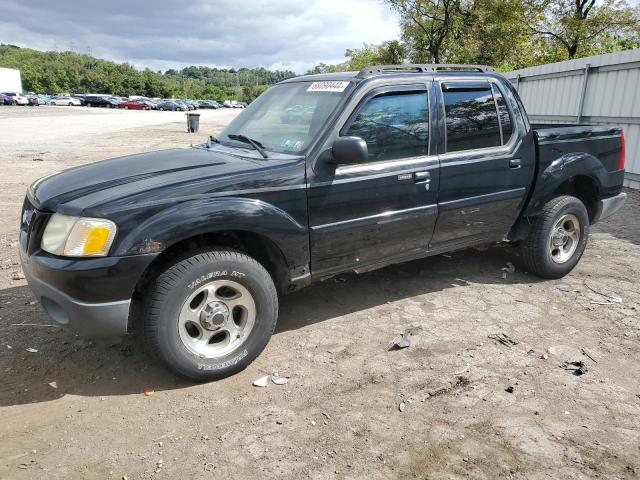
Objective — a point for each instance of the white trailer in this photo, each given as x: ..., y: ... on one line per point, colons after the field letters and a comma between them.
x: 10, y: 80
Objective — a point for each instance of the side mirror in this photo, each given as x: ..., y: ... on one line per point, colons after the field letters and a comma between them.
x: 350, y: 150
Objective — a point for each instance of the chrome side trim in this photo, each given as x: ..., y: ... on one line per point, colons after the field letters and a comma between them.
x: 379, y: 218
x: 485, y: 198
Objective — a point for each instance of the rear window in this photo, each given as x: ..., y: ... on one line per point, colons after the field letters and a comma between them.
x: 471, y: 117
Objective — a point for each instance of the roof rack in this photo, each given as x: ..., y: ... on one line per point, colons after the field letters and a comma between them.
x: 422, y: 68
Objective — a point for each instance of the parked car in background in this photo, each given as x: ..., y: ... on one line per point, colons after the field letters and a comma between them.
x: 79, y: 97
x: 41, y: 99
x: 18, y: 98
x: 106, y: 101
x: 66, y: 101
x: 134, y: 105
x: 208, y: 104
x: 189, y: 106
x: 172, y: 105
x: 114, y: 102
x: 6, y: 99
x: 150, y: 103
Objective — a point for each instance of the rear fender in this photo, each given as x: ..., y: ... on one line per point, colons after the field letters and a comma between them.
x: 558, y: 172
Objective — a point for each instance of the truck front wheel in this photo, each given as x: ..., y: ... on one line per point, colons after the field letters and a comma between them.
x: 557, y: 238
x: 210, y: 315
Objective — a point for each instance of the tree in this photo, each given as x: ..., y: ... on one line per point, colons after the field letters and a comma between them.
x: 392, y: 52
x: 578, y: 25
x: 427, y: 25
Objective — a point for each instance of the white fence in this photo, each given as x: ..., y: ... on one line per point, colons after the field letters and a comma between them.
x: 604, y: 89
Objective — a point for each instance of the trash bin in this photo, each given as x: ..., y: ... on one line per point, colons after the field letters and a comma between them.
x: 193, y: 122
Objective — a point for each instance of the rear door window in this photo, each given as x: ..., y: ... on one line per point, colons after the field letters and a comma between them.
x: 471, y: 116
x: 394, y: 125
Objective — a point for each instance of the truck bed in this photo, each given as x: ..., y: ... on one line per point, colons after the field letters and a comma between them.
x: 600, y: 141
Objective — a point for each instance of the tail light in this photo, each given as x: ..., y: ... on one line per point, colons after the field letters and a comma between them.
x: 623, y: 151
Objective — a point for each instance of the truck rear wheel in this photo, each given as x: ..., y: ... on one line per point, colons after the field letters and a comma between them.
x: 557, y: 238
x: 210, y: 315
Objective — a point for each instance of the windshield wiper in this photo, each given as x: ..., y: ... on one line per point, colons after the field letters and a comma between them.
x: 254, y: 143
x: 211, y: 140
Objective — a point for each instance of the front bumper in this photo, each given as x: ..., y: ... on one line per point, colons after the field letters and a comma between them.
x: 90, y: 297
x: 609, y: 206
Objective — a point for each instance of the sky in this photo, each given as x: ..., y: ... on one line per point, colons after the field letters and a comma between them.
x: 160, y: 34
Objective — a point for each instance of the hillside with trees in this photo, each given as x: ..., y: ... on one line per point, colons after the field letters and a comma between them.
x: 56, y: 72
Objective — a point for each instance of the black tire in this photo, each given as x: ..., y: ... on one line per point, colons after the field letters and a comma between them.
x: 177, y: 283
x: 537, y: 249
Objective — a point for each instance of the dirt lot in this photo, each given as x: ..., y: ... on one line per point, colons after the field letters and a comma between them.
x: 436, y: 410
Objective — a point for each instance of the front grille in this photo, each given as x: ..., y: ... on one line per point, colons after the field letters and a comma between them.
x: 32, y: 225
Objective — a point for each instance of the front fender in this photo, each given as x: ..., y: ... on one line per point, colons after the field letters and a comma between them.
x: 198, y: 217
x: 559, y: 171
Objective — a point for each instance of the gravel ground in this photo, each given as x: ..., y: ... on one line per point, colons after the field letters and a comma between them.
x: 456, y: 404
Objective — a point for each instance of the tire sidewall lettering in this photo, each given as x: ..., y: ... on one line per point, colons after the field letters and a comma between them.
x: 213, y: 275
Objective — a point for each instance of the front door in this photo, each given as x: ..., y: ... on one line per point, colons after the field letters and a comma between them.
x: 363, y: 215
x: 487, y: 163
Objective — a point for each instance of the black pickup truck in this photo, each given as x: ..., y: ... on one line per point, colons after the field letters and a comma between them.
x: 320, y: 175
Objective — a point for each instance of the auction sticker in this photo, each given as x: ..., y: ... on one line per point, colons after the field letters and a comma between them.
x: 329, y: 86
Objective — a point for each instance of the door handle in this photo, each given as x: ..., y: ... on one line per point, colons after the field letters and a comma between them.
x: 422, y: 176
x: 515, y: 163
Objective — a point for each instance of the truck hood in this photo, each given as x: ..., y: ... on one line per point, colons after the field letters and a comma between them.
x: 153, y: 177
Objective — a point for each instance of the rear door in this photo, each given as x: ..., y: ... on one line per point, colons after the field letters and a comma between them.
x: 487, y: 163
x: 362, y: 215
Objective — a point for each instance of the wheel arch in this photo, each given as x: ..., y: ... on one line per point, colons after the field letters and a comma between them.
x: 258, y: 246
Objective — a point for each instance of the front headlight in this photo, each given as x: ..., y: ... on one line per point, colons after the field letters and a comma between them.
x: 78, y: 237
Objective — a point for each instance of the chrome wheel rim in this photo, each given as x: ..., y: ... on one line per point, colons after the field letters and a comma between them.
x: 565, y: 238
x: 216, y: 319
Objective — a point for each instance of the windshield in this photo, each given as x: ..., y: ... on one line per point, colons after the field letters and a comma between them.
x: 287, y: 117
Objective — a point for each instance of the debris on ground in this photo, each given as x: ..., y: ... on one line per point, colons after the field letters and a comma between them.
x: 531, y: 351
x: 504, y: 339
x: 586, y: 354
x: 609, y: 299
x: 337, y: 349
x: 405, y: 341
x: 510, y: 268
x: 32, y: 350
x: 278, y: 380
x: 149, y: 391
x: 577, y: 368
x: 17, y: 276
x: 402, y: 406
x: 509, y: 389
x: 261, y: 382
x: 463, y: 370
